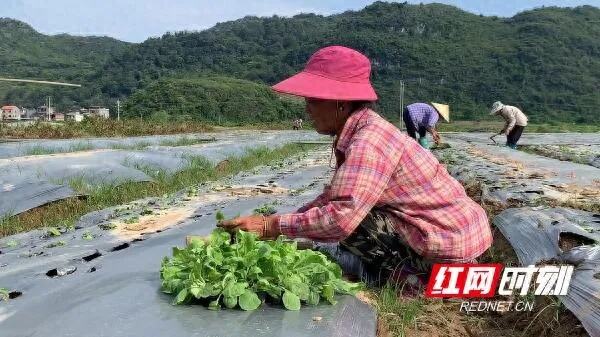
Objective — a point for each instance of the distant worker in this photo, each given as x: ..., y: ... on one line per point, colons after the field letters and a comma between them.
x: 516, y: 121
x: 297, y: 124
x: 422, y: 118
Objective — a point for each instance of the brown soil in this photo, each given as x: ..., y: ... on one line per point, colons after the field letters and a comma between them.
x: 152, y: 223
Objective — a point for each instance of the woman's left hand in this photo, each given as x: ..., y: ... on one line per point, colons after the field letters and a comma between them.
x: 264, y: 227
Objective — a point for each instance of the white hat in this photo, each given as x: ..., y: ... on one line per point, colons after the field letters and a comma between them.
x: 443, y: 110
x: 497, y: 106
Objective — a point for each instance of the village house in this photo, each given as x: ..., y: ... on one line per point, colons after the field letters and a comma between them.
x: 10, y: 112
x: 44, y: 113
x: 75, y: 116
x: 28, y: 113
x: 96, y: 111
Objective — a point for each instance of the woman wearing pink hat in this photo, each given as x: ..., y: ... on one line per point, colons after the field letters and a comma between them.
x: 390, y: 201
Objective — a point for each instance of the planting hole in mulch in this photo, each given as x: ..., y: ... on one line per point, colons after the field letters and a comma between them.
x: 568, y: 241
x: 91, y: 257
x: 60, y: 271
x: 14, y: 294
x: 120, y: 247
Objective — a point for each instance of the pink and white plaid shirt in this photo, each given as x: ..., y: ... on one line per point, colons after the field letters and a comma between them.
x: 380, y: 167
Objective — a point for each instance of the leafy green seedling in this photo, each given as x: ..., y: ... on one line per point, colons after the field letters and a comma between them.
x: 53, y: 231
x: 146, y: 211
x: 265, y: 209
x: 87, y: 236
x: 132, y: 220
x: 56, y: 244
x: 4, y: 294
x: 107, y: 226
x: 220, y: 216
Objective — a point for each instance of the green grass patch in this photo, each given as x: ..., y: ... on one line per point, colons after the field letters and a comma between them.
x: 100, y: 127
x: 42, y: 150
x: 496, y: 126
x: 186, y: 141
x: 199, y: 169
x: 398, y: 313
x: 136, y: 146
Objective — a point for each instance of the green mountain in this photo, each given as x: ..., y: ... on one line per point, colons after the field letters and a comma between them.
x: 211, y: 99
x: 546, y: 61
x: 25, y: 53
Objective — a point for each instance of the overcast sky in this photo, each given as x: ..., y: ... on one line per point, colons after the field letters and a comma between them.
x: 136, y: 20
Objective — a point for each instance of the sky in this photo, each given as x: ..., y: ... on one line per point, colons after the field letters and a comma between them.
x: 136, y: 20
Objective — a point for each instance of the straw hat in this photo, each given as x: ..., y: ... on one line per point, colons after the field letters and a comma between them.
x: 497, y: 106
x: 443, y: 110
x: 334, y: 73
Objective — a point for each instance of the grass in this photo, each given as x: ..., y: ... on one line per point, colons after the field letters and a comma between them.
x: 198, y: 170
x: 42, y: 150
x: 562, y: 152
x: 496, y: 126
x: 99, y: 127
x: 137, y: 146
x: 185, y: 141
x: 396, y: 313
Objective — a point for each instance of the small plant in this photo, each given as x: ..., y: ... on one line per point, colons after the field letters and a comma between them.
x: 265, y: 210
x: 220, y: 272
x: 56, y: 244
x: 4, y: 294
x: 132, y: 220
x: 107, y: 226
x: 53, y: 231
x: 220, y: 217
x: 146, y: 211
x: 192, y: 192
x: 87, y: 236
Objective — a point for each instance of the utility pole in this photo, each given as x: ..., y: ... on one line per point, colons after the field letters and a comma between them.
x: 48, y: 107
x: 401, y: 105
x: 118, y: 110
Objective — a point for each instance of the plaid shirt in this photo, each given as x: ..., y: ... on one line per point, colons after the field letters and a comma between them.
x: 423, y: 115
x: 378, y: 166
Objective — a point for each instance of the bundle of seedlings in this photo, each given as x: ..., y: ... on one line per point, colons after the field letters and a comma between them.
x: 244, y: 271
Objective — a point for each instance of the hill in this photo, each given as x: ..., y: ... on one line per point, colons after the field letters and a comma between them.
x: 211, y: 99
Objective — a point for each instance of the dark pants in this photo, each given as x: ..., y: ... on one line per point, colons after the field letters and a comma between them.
x: 513, y: 137
x: 383, y: 252
x: 410, y: 126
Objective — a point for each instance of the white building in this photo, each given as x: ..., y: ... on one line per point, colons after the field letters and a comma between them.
x: 74, y: 116
x: 10, y: 112
x: 96, y: 111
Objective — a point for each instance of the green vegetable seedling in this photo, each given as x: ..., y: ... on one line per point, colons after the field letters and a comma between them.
x: 53, y: 231
x: 4, y: 294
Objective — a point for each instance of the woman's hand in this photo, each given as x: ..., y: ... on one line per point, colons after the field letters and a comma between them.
x: 264, y: 227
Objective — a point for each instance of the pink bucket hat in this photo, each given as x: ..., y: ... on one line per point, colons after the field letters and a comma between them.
x: 335, y: 73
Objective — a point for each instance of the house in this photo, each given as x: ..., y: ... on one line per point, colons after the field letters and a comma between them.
x: 95, y: 111
x: 11, y: 112
x: 44, y: 113
x: 74, y: 116
x: 28, y: 113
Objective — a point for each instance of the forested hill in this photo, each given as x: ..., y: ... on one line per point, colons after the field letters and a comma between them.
x: 546, y: 61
